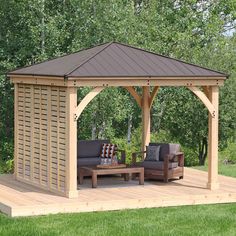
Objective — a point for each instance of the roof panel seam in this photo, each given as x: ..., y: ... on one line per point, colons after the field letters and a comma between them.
x: 117, y: 61
x: 104, y: 58
x: 171, y: 58
x: 133, y: 60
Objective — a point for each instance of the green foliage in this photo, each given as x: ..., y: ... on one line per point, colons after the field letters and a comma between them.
x: 7, y: 151
x: 228, y: 155
x: 107, y: 114
x: 190, y: 156
x: 134, y: 146
x: 9, y: 167
x: 224, y: 169
x: 198, y: 32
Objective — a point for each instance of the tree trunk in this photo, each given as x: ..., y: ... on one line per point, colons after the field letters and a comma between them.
x: 94, y: 130
x: 129, y: 129
x: 43, y: 27
x: 202, y: 154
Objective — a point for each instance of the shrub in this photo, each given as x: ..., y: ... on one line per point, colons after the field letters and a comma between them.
x: 6, y: 157
x: 9, y: 166
x: 190, y: 157
x: 7, y: 151
x: 129, y: 148
x: 228, y: 155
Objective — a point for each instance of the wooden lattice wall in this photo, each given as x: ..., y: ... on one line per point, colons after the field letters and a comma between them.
x: 41, y: 136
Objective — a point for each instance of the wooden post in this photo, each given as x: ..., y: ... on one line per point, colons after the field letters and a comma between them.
x: 71, y: 160
x: 145, y: 117
x: 213, y: 140
x: 15, y: 130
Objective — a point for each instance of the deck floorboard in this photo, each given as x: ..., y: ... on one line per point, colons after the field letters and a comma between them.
x: 113, y: 193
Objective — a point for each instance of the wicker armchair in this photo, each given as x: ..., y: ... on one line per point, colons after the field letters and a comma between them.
x: 169, y: 166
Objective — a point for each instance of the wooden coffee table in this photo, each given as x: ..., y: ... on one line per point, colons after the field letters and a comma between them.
x: 94, y: 172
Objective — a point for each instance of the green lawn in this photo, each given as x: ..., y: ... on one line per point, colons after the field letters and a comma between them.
x: 188, y: 220
x: 224, y: 169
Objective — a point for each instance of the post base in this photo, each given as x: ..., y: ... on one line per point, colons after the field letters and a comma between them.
x: 213, y: 185
x: 72, y: 194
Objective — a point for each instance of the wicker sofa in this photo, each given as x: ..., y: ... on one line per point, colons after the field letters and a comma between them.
x: 169, y: 166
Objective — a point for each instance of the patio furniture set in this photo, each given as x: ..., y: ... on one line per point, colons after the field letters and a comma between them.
x: 162, y: 161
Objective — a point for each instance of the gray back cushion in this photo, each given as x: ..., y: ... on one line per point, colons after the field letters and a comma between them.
x: 89, y: 148
x: 166, y: 148
x: 91, y: 161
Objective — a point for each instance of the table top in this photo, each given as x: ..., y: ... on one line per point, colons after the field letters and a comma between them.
x: 123, y: 169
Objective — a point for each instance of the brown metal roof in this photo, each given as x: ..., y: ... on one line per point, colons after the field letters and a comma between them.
x: 116, y: 60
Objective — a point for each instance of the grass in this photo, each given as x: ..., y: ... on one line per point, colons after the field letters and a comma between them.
x: 224, y: 169
x: 188, y: 220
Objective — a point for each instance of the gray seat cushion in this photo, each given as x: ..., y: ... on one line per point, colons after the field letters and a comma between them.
x: 166, y: 148
x: 89, y: 148
x: 92, y: 161
x: 157, y: 165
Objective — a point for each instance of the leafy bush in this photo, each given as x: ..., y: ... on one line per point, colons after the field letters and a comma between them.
x: 7, y: 151
x: 228, y: 155
x: 190, y: 157
x: 6, y: 167
x: 6, y: 157
x: 129, y: 148
x: 9, y: 166
x: 135, y: 145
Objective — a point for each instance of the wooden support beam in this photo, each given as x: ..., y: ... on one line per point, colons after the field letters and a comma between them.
x: 145, y: 117
x: 85, y: 101
x: 213, y: 140
x: 204, y: 99
x: 206, y: 91
x: 71, y: 146
x: 153, y: 95
x: 117, y: 81
x: 143, y: 81
x: 135, y: 95
x: 16, y: 130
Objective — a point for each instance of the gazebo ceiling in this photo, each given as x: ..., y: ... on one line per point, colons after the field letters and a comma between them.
x: 115, y: 60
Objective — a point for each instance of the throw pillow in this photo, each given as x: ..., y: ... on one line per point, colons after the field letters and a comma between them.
x: 108, y: 150
x: 152, y: 153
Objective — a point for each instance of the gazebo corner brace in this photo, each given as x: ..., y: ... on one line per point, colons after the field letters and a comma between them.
x: 86, y: 100
x: 205, y: 100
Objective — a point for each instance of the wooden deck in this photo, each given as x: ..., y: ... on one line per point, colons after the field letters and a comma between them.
x: 19, y: 199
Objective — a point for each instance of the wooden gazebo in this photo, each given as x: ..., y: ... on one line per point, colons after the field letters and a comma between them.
x: 46, y: 109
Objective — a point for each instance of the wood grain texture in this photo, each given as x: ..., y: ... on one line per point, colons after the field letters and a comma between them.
x: 86, y: 100
x: 203, y: 97
x: 146, y: 120
x: 119, y: 81
x: 20, y: 199
x: 213, y: 140
x: 153, y: 95
x: 40, y: 134
x: 71, y: 145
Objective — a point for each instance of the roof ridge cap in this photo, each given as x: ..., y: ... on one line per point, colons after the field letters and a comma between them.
x: 91, y: 57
